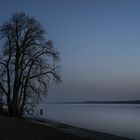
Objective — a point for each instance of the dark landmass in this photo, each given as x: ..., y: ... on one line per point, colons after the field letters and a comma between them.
x: 101, y: 102
x: 33, y: 129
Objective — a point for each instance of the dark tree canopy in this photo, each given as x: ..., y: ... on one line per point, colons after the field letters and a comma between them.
x: 27, y: 64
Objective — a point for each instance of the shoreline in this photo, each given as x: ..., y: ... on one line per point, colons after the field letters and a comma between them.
x: 77, y: 131
x: 42, y: 129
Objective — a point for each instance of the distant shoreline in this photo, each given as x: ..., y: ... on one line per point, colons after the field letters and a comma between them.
x: 99, y: 102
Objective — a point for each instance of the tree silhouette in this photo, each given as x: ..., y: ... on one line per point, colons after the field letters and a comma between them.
x: 27, y: 64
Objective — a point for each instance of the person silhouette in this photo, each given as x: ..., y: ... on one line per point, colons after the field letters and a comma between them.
x: 41, y: 111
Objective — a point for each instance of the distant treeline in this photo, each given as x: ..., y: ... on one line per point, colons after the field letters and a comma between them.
x: 101, y: 102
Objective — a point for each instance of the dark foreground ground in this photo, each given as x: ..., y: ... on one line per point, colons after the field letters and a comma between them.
x: 23, y: 129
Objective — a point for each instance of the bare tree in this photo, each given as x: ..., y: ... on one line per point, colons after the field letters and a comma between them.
x: 27, y: 63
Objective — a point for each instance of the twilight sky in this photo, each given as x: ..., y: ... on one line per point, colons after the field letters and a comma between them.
x: 99, y: 42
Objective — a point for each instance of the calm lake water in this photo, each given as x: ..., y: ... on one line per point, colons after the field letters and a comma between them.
x: 121, y: 120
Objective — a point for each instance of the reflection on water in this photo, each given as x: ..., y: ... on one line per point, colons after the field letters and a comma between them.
x: 122, y: 120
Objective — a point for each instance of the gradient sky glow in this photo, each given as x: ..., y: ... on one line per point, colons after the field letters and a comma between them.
x: 99, y: 41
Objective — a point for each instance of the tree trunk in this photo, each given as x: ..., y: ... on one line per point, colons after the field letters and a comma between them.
x: 15, y: 107
x: 10, y: 106
x: 1, y: 108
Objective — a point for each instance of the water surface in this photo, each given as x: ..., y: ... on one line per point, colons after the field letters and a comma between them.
x: 121, y: 120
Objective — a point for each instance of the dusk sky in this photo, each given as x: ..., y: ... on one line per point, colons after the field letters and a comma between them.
x: 99, y: 42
